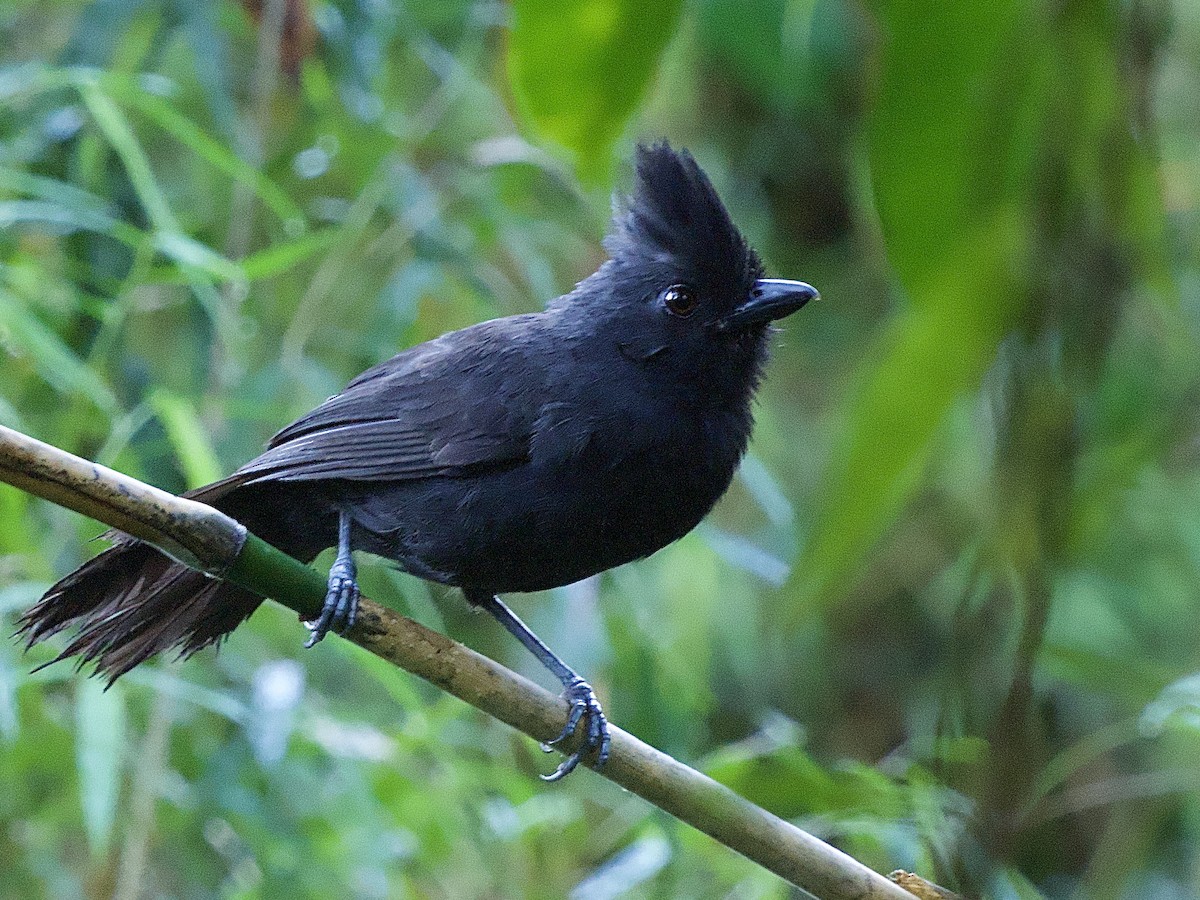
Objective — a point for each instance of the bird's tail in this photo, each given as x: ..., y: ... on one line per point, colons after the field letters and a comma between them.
x: 132, y: 602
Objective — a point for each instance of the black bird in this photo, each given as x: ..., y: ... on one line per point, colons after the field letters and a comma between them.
x: 515, y: 455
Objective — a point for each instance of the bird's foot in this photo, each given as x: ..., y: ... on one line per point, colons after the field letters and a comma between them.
x: 341, y: 604
x: 585, y: 710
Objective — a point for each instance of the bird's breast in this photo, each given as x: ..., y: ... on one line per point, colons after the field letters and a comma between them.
x: 599, y: 489
x: 628, y: 484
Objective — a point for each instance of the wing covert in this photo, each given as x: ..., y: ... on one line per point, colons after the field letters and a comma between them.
x: 441, y: 408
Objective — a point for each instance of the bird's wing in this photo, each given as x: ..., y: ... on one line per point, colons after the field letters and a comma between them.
x: 451, y: 406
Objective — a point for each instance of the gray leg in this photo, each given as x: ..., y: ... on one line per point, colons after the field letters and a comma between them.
x: 341, y: 601
x: 577, y: 692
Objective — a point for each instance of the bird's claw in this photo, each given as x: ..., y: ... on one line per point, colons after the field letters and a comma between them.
x: 340, y: 609
x: 584, y: 705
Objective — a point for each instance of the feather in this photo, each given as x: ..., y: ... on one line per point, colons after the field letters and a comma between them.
x: 412, y: 417
x: 676, y: 217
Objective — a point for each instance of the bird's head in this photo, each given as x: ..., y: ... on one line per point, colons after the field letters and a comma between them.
x: 683, y: 291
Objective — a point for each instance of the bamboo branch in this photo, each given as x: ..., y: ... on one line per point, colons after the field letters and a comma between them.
x: 207, y: 539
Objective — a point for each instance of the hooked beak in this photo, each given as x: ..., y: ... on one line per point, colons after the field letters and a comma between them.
x: 770, y: 299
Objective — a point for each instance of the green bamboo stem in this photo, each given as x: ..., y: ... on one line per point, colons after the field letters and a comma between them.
x: 207, y: 539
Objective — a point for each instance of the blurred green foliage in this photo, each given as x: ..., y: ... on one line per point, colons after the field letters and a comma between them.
x: 579, y: 69
x: 946, y: 615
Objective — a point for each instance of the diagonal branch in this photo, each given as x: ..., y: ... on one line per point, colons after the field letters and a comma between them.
x: 207, y: 539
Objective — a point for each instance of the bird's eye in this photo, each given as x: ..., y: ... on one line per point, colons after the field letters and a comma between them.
x: 680, y: 300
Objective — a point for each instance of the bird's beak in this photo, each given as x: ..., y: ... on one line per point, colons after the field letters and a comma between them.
x: 770, y: 299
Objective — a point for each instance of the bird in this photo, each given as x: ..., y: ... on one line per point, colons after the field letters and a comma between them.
x: 519, y: 454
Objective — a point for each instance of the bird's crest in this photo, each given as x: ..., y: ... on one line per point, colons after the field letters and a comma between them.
x: 675, y: 218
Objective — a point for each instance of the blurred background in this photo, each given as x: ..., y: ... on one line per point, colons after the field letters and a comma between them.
x: 945, y: 618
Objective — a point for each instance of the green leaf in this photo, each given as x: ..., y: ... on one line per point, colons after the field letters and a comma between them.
x: 279, y: 258
x: 52, y: 359
x: 929, y: 355
x: 952, y: 188
x: 117, y: 130
x: 188, y: 437
x: 64, y: 219
x: 66, y: 205
x: 100, y: 738
x: 790, y: 783
x: 579, y: 69
x: 190, y: 254
x: 978, y: 105
x: 169, y: 238
x: 211, y: 151
x: 266, y: 263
